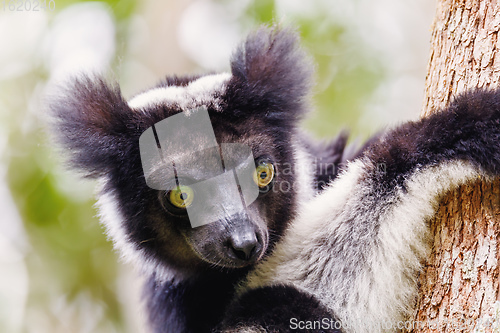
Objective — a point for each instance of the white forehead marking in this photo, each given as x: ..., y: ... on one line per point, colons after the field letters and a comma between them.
x: 194, y: 94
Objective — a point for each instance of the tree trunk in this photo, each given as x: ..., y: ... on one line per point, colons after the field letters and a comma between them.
x: 459, y: 286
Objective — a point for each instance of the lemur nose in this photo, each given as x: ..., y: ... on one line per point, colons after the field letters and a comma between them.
x: 245, y: 247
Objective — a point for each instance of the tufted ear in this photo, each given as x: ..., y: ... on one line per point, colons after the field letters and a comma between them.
x: 269, y: 67
x: 91, y: 120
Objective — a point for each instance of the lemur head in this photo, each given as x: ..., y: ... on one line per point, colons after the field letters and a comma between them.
x: 257, y: 105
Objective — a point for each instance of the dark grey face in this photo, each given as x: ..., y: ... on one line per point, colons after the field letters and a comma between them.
x: 211, y: 185
x: 217, y: 202
x: 226, y: 227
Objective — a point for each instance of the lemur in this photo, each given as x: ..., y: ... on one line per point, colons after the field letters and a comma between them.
x: 348, y: 250
x: 192, y: 272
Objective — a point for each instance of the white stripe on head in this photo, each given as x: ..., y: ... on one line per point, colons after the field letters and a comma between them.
x: 198, y: 92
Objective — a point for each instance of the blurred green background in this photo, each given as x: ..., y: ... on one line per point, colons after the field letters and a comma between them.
x: 58, y: 272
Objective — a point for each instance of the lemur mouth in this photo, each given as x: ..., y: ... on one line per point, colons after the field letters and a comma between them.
x: 238, y: 251
x: 231, y: 263
x: 233, y: 258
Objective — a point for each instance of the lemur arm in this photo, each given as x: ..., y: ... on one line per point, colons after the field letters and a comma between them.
x: 358, y: 245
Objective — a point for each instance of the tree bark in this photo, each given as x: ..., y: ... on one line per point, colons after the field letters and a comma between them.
x: 459, y: 286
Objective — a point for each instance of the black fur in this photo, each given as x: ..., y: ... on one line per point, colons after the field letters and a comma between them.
x: 194, y: 305
x: 331, y: 157
x: 271, y: 75
x: 280, y: 309
x: 94, y: 122
x: 469, y: 130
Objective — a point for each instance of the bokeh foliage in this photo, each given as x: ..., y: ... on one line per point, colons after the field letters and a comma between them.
x: 69, y: 255
x: 347, y: 73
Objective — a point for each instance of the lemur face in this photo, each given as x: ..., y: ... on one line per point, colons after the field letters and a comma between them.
x: 257, y: 105
x: 217, y: 177
x: 219, y: 206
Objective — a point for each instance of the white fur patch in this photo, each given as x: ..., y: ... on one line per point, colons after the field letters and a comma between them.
x: 196, y: 93
x: 359, y: 255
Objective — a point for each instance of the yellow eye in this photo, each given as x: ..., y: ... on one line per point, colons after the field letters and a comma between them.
x: 264, y: 174
x: 181, y: 196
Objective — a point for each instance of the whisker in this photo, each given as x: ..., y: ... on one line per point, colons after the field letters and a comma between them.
x: 147, y: 240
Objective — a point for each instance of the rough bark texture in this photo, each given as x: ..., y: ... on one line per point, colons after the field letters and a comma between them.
x: 459, y: 287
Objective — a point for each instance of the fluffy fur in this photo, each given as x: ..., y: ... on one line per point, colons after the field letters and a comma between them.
x: 356, y: 248
x: 193, y: 272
